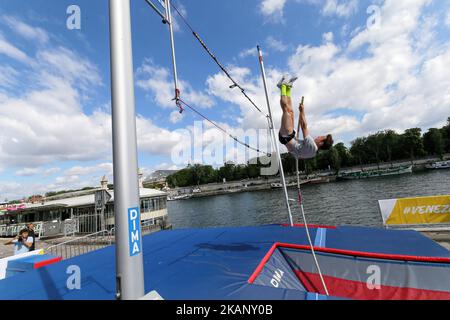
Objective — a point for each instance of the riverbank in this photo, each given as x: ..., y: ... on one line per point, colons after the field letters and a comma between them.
x: 260, y: 184
x: 418, y: 165
x: 211, y: 190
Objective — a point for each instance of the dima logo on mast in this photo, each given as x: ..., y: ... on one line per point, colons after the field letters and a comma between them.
x: 134, y: 231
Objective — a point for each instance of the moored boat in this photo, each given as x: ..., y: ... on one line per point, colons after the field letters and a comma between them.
x: 375, y: 173
x: 438, y: 165
x: 179, y: 197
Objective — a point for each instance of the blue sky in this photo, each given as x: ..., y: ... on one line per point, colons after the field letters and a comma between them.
x: 55, y: 82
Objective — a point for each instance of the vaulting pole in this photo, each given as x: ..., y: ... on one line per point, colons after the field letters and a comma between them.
x: 129, y: 262
x: 172, y: 43
x: 274, y: 137
x: 302, y: 209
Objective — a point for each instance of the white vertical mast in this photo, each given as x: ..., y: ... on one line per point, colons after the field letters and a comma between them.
x: 274, y: 136
x: 129, y: 261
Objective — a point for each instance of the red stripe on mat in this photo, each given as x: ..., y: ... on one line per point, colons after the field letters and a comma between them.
x: 383, y: 256
x: 41, y: 264
x: 343, y: 288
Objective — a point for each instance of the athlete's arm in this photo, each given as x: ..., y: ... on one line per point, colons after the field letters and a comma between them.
x: 303, y: 122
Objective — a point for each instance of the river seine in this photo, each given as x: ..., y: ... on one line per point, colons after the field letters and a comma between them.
x: 338, y: 203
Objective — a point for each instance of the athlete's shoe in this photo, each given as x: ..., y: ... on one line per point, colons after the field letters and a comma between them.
x: 283, y: 80
x: 287, y: 80
x: 290, y: 83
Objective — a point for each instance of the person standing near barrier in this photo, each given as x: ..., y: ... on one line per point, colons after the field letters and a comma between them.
x: 22, y: 242
x: 30, y: 228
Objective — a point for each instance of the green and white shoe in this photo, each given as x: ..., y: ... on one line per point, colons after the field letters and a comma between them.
x: 283, y: 80
x: 287, y: 80
x: 290, y: 83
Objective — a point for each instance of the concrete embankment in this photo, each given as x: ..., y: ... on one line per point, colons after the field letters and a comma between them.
x: 441, y: 237
x: 244, y: 186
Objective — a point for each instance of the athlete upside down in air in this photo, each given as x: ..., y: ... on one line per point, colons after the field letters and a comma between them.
x: 301, y: 149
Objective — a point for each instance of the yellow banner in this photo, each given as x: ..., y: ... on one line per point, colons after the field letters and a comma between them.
x: 426, y: 210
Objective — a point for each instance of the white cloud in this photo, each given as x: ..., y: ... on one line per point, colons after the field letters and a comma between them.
x: 340, y: 8
x: 158, y: 81
x: 276, y: 45
x: 177, y: 22
x: 176, y: 116
x: 51, y: 171
x: 11, y: 190
x: 102, y: 169
x: 394, y: 77
x: 11, y: 51
x: 26, y: 172
x: 447, y: 19
x: 248, y: 53
x: 45, y: 122
x: 328, y: 37
x: 49, y: 125
x: 66, y: 64
x: 398, y: 84
x: 162, y: 166
x: 391, y: 77
x: 273, y: 8
x: 25, y: 30
x: 29, y: 172
x: 156, y: 140
x: 8, y: 76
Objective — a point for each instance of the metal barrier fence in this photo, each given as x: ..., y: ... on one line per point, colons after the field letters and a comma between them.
x: 98, y: 240
x: 88, y: 224
x: 147, y: 227
x: 81, y: 245
x: 7, y: 231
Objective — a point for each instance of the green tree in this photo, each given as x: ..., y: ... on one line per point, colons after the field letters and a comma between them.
x: 374, y: 144
x: 253, y: 170
x: 434, y: 142
x: 227, y: 172
x: 412, y: 143
x: 446, y: 135
x: 344, y: 154
x: 390, y: 142
x: 358, y: 150
x: 289, y: 163
x: 334, y: 159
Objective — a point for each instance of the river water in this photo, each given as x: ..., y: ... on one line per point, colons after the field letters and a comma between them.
x: 339, y: 203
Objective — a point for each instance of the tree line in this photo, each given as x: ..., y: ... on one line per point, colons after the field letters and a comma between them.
x: 381, y: 147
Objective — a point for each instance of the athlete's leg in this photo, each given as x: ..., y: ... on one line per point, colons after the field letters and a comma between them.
x: 287, y: 120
